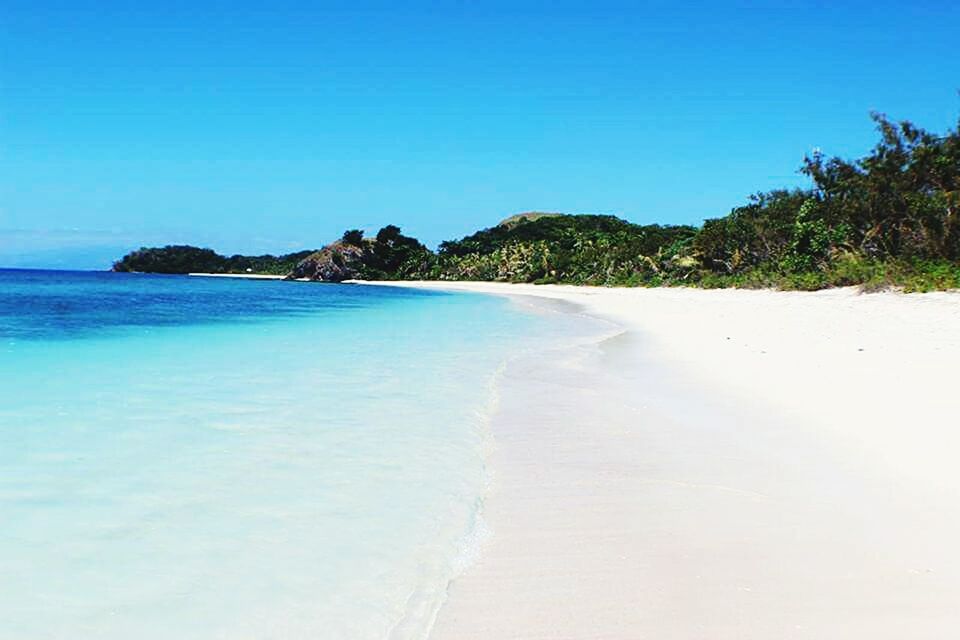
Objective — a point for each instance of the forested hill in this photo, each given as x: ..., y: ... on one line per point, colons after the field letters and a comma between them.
x: 586, y: 249
x: 891, y: 217
x: 579, y: 249
x: 187, y: 259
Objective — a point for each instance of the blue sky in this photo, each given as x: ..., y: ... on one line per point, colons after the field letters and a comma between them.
x: 269, y: 127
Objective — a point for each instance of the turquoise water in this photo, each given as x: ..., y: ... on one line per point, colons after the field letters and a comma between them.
x: 207, y: 458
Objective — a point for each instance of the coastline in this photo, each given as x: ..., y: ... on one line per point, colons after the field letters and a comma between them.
x: 735, y: 464
x: 245, y: 276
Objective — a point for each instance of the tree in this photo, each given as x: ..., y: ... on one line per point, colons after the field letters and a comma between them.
x: 389, y: 235
x: 353, y: 237
x: 901, y: 200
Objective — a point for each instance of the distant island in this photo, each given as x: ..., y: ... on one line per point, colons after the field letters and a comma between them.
x: 891, y: 218
x: 180, y: 259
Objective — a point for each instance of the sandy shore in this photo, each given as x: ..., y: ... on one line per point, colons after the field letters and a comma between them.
x: 733, y: 465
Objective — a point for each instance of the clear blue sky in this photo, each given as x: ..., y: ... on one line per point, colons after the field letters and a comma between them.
x: 255, y: 127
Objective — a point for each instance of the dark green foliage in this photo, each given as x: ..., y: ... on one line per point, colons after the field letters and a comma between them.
x: 562, y: 231
x: 580, y: 249
x: 265, y: 264
x: 353, y: 237
x: 394, y: 256
x: 171, y: 259
x: 849, y: 270
x: 812, y: 240
x: 751, y: 235
x: 186, y: 259
x: 900, y: 201
x: 891, y: 218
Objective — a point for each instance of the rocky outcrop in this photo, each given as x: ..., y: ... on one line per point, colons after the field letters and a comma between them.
x: 334, y: 263
x: 528, y: 216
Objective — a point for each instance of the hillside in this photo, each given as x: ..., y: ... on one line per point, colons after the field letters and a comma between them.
x: 580, y: 249
x: 891, y: 218
x: 180, y: 259
x: 390, y: 255
x: 585, y: 249
x: 529, y: 215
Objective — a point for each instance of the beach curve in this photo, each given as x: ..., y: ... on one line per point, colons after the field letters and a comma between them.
x: 735, y: 464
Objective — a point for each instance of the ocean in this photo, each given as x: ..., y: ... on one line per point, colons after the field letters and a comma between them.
x: 186, y: 457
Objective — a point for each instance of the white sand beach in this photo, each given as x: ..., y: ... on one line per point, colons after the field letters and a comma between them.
x: 245, y: 276
x: 730, y: 465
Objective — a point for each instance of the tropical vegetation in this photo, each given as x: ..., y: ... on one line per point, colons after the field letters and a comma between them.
x: 890, y: 218
x: 187, y: 259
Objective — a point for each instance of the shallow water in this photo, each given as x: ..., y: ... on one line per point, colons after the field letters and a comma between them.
x: 211, y: 458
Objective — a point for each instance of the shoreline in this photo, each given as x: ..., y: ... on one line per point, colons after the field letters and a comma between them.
x: 736, y: 464
x: 245, y: 276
